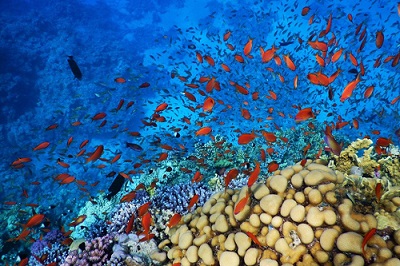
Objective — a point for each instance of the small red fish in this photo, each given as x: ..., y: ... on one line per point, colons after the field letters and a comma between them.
x: 34, y: 220
x: 245, y: 138
x: 227, y: 35
x: 146, y: 222
x: 193, y: 201
x: 379, y: 39
x: 305, y: 10
x: 99, y: 116
x: 383, y: 142
x: 253, y: 238
x: 247, y: 48
x: 254, y: 175
x: 128, y: 197
x: 175, y: 219
x: 51, y: 127
x: 366, y: 238
x: 42, y: 146
x: 203, y: 131
x: 368, y: 92
x: 348, y: 90
x: 208, y: 104
x: 161, y: 107
x: 304, y: 114
x: 96, y: 154
x: 163, y: 156
x: 289, y: 62
x: 197, y: 177
x: 241, y: 204
x: 144, y: 85
x: 378, y: 191
x: 143, y: 209
x: 232, y: 174
x: 120, y: 80
x: 273, y: 166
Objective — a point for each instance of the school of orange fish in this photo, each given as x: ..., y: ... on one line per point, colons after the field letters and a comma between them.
x: 244, y: 87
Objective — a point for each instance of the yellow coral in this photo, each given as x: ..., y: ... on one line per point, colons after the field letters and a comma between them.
x: 348, y: 157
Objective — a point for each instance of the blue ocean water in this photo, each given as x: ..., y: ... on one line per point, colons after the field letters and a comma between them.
x: 154, y: 48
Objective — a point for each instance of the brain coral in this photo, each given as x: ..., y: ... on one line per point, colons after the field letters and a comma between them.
x: 295, y: 217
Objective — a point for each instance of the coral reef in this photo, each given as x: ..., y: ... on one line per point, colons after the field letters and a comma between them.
x: 295, y: 217
x: 349, y: 157
x: 94, y: 252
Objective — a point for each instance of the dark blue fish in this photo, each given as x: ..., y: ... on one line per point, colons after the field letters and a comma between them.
x: 285, y: 43
x: 74, y: 67
x: 115, y: 186
x: 134, y: 146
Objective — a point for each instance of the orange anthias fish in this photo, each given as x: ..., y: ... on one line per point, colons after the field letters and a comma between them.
x: 232, y: 174
x: 197, y: 177
x: 378, y: 191
x: 129, y: 226
x: 175, y: 219
x: 193, y: 201
x: 241, y: 204
x: 348, y: 90
x: 254, y: 238
x: 367, y: 237
x: 269, y: 136
x: 368, y: 92
x: 317, y: 45
x: 163, y: 156
x: 379, y: 39
x: 209, y: 60
x: 34, y: 220
x: 304, y: 114
x: 143, y: 209
x: 246, y: 138
x: 273, y: 166
x: 383, y: 142
x: 203, y: 131
x: 227, y: 35
x: 254, y: 175
x: 305, y: 10
x: 21, y: 161
x: 146, y: 222
x: 120, y: 80
x: 96, y: 154
x: 99, y: 116
x: 267, y: 56
x: 247, y: 48
x: 161, y: 107
x: 289, y: 62
x: 208, y: 104
x: 42, y: 146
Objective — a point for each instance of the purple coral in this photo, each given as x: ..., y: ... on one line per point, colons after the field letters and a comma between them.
x: 96, y: 252
x: 176, y: 198
x: 50, y: 247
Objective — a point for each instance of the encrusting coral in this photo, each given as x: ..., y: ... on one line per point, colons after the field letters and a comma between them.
x: 295, y: 217
x: 348, y: 157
